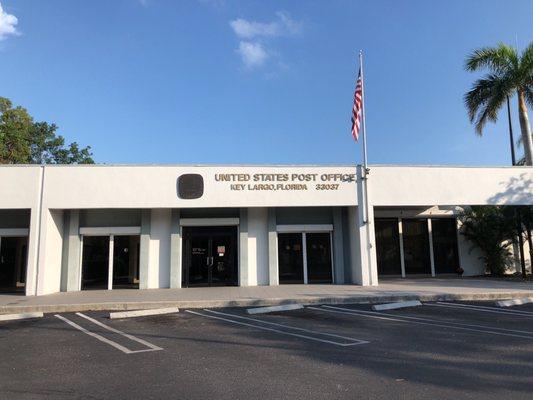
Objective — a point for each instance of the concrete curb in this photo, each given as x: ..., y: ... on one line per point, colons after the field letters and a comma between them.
x: 369, y: 299
x: 394, y: 306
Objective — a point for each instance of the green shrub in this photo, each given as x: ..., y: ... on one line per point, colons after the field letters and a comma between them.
x: 490, y: 229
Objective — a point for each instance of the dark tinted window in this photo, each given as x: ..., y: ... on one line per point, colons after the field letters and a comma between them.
x: 388, y: 247
x: 416, y: 246
x: 445, y: 245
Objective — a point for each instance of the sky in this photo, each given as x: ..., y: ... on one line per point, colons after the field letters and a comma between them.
x: 258, y: 82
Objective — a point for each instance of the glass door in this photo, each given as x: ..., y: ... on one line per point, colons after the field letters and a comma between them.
x: 416, y: 246
x: 126, y: 262
x: 290, y: 258
x: 388, y: 247
x: 13, y: 260
x: 305, y: 257
x: 445, y: 251
x: 318, y: 248
x: 223, y: 258
x: 95, y: 263
x: 210, y: 256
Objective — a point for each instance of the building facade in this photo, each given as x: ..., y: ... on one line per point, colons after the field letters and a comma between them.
x: 69, y: 228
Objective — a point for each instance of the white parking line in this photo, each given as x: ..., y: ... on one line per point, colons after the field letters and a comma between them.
x: 116, y: 345
x: 480, y: 308
x: 352, y: 343
x: 427, y: 321
x: 131, y: 337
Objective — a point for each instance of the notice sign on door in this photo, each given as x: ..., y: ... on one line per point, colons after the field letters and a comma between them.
x: 221, y: 250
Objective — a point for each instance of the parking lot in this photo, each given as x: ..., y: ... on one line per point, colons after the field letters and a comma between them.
x: 438, y: 350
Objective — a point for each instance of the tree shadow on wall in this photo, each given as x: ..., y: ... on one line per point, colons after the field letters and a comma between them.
x: 518, y: 191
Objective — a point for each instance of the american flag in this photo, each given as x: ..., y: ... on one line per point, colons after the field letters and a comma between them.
x: 357, y: 107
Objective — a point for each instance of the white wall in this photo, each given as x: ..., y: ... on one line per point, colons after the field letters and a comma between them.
x: 101, y: 186
x: 159, y: 250
x: 20, y: 186
x: 258, y: 246
x: 419, y: 186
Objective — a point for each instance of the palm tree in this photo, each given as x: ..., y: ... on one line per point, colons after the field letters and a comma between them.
x: 509, y: 73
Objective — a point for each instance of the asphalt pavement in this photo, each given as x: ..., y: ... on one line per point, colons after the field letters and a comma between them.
x: 439, y: 350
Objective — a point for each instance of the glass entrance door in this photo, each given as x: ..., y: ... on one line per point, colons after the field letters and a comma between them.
x: 445, y: 251
x: 13, y: 260
x: 114, y: 257
x: 290, y: 258
x: 210, y: 256
x: 305, y: 257
x: 388, y: 246
x: 318, y: 248
x: 416, y: 246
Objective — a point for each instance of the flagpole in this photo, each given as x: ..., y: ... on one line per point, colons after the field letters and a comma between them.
x: 364, y: 175
x: 363, y: 109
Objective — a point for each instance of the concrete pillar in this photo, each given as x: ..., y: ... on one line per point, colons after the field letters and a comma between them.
x: 159, y: 255
x: 258, y: 246
x: 338, y: 253
x: 175, y: 249
x: 273, y: 266
x: 244, y: 279
x: 50, y: 252
x: 365, y: 226
x: 71, y: 268
x: 144, y: 258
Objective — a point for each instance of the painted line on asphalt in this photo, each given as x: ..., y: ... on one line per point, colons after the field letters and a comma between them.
x: 353, y: 342
x: 151, y: 346
x: 104, y: 339
x: 13, y: 317
x: 143, y: 313
x: 394, y: 306
x: 285, y: 326
x: 412, y: 317
x: 480, y: 308
x: 264, y: 310
x: 429, y: 322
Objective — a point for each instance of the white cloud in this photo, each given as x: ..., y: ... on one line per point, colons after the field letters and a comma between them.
x: 8, y: 24
x: 284, y: 25
x: 252, y: 54
x: 254, y: 44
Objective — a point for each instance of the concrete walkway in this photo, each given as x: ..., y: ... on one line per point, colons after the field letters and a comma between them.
x: 430, y: 289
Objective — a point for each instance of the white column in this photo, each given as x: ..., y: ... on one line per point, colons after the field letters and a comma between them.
x: 258, y: 246
x: 159, y: 257
x: 50, y: 252
x: 402, y: 257
x: 367, y: 239
x: 175, y: 249
x: 273, y: 265
x: 431, y: 256
x: 110, y: 262
x: 244, y: 279
x: 304, y: 252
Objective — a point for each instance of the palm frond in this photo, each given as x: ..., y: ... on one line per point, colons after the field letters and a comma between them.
x: 498, y: 59
x: 526, y: 60
x: 486, y: 98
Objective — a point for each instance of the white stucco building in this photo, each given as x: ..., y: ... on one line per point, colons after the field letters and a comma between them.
x: 69, y: 228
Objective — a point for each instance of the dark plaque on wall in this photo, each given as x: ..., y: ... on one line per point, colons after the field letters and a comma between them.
x: 190, y: 186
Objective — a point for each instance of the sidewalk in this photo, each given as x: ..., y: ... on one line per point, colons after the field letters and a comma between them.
x: 430, y: 289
